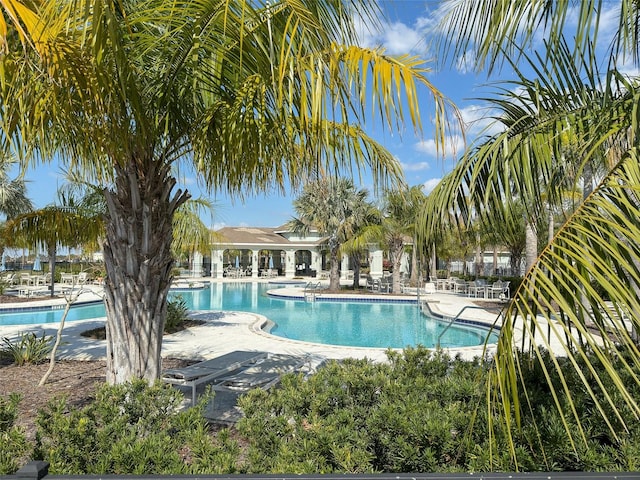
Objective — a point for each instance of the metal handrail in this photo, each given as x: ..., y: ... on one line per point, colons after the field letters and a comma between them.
x: 310, y: 288
x: 452, y: 319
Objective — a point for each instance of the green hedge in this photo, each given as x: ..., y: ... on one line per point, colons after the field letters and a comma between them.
x: 423, y: 411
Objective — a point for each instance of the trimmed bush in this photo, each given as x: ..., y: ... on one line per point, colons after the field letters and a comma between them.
x: 14, y: 446
x: 132, y: 429
x: 424, y: 412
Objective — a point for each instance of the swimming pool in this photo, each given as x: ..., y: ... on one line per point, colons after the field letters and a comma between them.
x: 357, y: 324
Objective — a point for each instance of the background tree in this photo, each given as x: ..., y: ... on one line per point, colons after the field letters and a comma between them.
x: 13, y: 196
x: 255, y: 97
x: 53, y: 227
x: 335, y: 208
x: 396, y: 227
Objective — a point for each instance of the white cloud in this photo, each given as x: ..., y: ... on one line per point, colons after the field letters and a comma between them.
x: 395, y: 37
x: 415, y: 167
x: 453, y: 146
x: 478, y: 120
x: 430, y: 184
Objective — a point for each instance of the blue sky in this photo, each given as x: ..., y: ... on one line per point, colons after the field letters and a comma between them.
x: 404, y: 31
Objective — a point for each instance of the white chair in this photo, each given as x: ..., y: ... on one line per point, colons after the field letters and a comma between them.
x: 499, y: 289
x: 460, y: 286
x: 478, y: 287
x: 429, y: 288
x: 66, y: 279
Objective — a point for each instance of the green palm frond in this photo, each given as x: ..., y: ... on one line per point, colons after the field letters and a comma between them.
x: 489, y: 31
x: 581, y: 303
x: 576, y: 311
x: 55, y: 226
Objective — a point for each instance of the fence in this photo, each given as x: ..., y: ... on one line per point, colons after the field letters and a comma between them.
x: 40, y: 470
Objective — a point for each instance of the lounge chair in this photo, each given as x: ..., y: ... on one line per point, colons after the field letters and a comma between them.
x: 208, y: 371
x: 9, y: 278
x: 264, y: 373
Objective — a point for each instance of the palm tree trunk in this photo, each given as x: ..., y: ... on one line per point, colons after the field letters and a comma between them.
x: 356, y: 264
x: 137, y: 252
x: 413, y: 279
x: 531, y: 245
x: 395, y: 253
x: 334, y: 273
x: 52, y: 267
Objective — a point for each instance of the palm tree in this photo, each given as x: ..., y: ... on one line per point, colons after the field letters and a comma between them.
x: 13, y: 195
x: 333, y: 207
x: 53, y: 227
x: 586, y: 279
x: 396, y: 227
x: 255, y: 97
x: 363, y: 213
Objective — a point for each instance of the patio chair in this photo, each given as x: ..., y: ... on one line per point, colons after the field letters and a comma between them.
x: 386, y: 285
x: 499, y: 289
x: 460, y: 286
x: 370, y: 283
x: 429, y: 288
x: 478, y: 288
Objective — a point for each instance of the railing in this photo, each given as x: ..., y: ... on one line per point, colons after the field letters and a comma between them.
x: 451, y: 320
x: 310, y: 291
x: 40, y: 470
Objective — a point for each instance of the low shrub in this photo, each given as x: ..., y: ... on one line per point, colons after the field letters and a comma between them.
x: 427, y: 412
x: 357, y: 416
x: 132, y: 429
x: 28, y: 348
x: 14, y: 443
x: 177, y: 314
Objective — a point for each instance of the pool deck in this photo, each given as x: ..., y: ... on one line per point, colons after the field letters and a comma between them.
x: 224, y: 332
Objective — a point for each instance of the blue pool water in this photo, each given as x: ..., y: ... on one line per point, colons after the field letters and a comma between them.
x: 359, y: 324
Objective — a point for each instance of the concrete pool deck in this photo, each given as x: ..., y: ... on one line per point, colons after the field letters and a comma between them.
x: 224, y: 332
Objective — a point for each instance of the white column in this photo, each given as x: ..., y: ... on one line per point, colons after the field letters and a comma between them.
x: 290, y: 265
x: 375, y: 261
x: 254, y: 264
x: 217, y: 263
x: 315, y: 263
x: 196, y: 264
x: 405, y: 263
x: 344, y: 266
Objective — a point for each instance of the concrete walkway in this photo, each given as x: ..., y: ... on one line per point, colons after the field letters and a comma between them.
x: 224, y: 332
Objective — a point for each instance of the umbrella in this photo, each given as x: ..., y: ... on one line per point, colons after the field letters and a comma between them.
x: 270, y: 261
x: 3, y: 267
x: 36, y: 263
x: 237, y: 262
